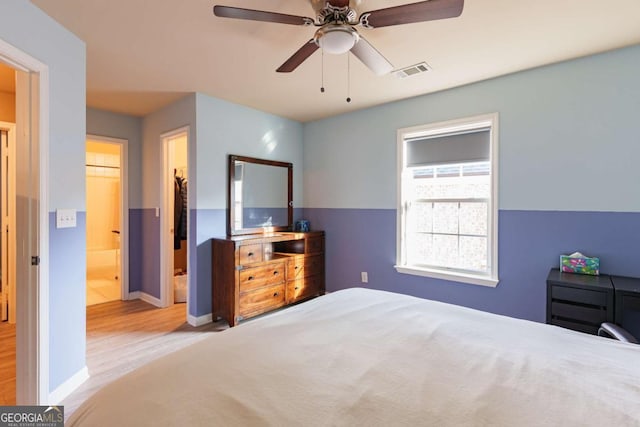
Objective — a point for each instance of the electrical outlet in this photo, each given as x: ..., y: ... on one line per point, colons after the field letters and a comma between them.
x: 364, y: 277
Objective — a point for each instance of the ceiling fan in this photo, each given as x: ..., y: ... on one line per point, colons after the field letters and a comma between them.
x: 337, y: 21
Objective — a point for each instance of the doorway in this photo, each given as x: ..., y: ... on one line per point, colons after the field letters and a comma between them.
x: 174, y: 251
x: 106, y: 214
x: 31, y: 380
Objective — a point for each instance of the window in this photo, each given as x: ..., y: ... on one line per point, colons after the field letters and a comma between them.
x: 447, y: 213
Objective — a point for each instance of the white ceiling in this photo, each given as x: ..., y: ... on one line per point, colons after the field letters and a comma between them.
x: 142, y: 55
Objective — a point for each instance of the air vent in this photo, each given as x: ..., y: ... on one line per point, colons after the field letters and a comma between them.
x: 412, y: 70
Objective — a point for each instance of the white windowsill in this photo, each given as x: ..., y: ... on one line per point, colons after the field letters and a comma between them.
x: 455, y: 277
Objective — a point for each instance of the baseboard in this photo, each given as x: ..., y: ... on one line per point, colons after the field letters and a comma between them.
x: 200, y: 320
x: 150, y: 299
x: 146, y: 298
x: 67, y: 387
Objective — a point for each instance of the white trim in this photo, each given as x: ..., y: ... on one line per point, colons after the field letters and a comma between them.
x: 457, y: 277
x: 150, y: 299
x: 434, y: 129
x: 67, y: 387
x: 124, y: 208
x: 200, y: 320
x: 35, y: 332
x: 133, y: 295
x: 166, y: 216
x: 166, y: 219
x: 43, y: 246
x: 495, y: 171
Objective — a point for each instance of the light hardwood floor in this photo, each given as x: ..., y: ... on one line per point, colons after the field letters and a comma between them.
x: 7, y: 364
x: 122, y: 336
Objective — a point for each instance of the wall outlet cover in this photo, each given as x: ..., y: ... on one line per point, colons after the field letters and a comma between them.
x: 65, y: 218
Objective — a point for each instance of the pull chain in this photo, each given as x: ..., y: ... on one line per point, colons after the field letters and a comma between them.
x: 348, y: 77
x: 322, y: 73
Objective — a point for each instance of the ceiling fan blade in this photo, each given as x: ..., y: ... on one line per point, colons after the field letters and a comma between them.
x: 413, y: 12
x: 370, y: 57
x: 299, y: 57
x: 260, y: 15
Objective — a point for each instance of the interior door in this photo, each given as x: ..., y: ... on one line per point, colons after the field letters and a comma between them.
x: 4, y: 283
x: 7, y: 222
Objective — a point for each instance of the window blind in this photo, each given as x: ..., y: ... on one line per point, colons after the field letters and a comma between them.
x: 449, y: 148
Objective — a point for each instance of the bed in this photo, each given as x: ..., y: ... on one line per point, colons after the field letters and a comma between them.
x: 373, y: 358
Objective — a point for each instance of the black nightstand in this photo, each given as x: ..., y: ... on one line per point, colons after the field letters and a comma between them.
x: 579, y: 302
x: 627, y: 295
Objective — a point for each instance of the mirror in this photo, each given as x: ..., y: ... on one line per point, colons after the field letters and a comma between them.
x: 260, y: 195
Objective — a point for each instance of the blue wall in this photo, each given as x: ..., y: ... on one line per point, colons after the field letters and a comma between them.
x: 27, y: 28
x: 569, y: 142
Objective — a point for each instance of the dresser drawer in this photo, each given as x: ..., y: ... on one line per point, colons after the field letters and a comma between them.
x: 583, y: 296
x: 300, y: 267
x: 576, y: 326
x: 250, y: 253
x: 265, y: 275
x: 305, y: 287
x: 261, y: 300
x: 581, y: 313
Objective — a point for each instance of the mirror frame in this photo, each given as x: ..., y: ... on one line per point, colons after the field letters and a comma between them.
x: 231, y: 231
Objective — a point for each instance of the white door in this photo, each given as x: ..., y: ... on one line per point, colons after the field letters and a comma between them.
x: 4, y: 282
x: 7, y: 221
x: 172, y: 167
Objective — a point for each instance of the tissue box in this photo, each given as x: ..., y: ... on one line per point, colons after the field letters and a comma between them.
x: 578, y: 263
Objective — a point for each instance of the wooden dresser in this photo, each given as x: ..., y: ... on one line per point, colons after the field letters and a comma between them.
x: 256, y: 273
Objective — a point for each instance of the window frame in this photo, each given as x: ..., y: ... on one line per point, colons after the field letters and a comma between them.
x: 433, y: 130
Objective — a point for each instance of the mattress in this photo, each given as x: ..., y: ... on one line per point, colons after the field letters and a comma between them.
x: 361, y: 357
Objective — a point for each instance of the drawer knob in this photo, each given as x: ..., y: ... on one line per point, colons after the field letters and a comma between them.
x: 296, y: 288
x: 275, y: 294
x: 275, y: 273
x: 250, y: 278
x: 250, y: 254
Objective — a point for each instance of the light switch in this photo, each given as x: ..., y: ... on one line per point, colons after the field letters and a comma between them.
x: 65, y: 218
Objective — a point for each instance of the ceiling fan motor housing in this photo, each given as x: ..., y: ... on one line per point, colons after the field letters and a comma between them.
x: 336, y: 15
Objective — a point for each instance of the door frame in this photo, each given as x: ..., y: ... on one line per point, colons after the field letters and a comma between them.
x: 166, y: 217
x: 124, y: 207
x: 32, y: 324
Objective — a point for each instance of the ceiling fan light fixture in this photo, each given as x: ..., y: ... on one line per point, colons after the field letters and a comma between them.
x: 336, y: 39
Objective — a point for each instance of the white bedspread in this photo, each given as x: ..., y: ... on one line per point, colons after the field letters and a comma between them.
x: 370, y: 358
